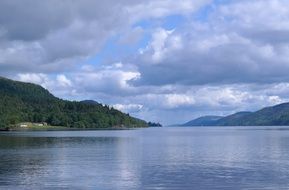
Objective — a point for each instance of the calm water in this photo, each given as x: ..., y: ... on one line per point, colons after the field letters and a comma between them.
x: 161, y: 158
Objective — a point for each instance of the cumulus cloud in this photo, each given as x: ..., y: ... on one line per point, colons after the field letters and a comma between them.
x: 232, y: 46
x: 38, y: 78
x: 60, y: 85
x: 176, y: 100
x: 223, y: 58
x: 45, y: 36
x: 63, y: 81
x: 128, y: 108
x: 111, y: 80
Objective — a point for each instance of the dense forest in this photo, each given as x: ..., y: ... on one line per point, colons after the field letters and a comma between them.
x: 26, y: 102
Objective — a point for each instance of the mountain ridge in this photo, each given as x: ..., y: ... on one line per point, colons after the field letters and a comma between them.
x: 277, y: 115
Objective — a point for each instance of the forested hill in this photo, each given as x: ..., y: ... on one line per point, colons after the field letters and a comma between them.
x: 270, y: 116
x: 26, y: 102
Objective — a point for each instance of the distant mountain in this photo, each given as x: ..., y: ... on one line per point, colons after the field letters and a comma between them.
x: 26, y: 102
x: 203, y: 121
x: 233, y: 119
x: 270, y: 116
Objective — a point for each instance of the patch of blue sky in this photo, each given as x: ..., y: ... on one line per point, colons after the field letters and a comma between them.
x: 144, y: 24
x: 203, y: 14
x: 173, y: 21
x: 113, y: 50
x: 218, y: 2
x: 170, y: 22
x: 130, y: 49
x: 109, y: 48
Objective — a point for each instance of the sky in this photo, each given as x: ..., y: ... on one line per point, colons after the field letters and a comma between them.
x: 164, y: 61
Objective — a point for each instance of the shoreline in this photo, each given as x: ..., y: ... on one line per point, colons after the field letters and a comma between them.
x: 67, y: 129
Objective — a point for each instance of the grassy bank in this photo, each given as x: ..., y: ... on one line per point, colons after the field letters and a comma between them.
x: 37, y: 127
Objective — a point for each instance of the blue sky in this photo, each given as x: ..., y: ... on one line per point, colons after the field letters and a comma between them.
x: 160, y: 60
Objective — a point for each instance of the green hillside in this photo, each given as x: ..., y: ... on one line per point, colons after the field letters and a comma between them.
x: 271, y: 116
x: 203, y: 121
x: 26, y: 102
x: 235, y: 119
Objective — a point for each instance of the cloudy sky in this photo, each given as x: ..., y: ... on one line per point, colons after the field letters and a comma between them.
x: 161, y: 60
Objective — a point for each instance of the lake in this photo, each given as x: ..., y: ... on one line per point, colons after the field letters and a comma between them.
x: 155, y: 158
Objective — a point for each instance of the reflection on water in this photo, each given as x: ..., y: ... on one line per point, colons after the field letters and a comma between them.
x: 166, y: 158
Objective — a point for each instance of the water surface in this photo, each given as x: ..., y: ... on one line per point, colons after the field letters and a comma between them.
x: 155, y: 158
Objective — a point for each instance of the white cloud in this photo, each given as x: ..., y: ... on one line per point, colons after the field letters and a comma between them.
x: 37, y: 78
x: 128, y: 108
x: 59, y: 85
x: 158, y: 44
x: 163, y: 42
x: 63, y: 81
x: 176, y: 100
